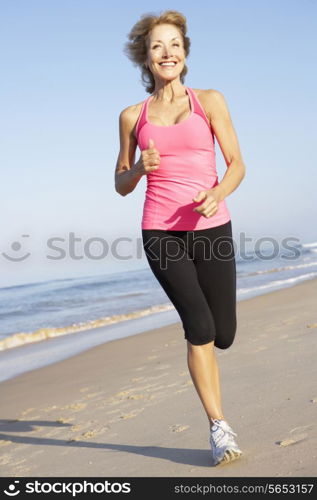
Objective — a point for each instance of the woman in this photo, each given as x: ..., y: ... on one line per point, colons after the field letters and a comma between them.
x: 186, y: 225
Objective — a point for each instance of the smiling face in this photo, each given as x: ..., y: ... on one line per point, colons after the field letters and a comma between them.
x: 165, y: 54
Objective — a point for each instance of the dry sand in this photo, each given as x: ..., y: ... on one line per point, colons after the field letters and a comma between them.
x: 129, y: 408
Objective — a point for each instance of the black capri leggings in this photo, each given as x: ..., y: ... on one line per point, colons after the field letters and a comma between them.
x: 197, y: 271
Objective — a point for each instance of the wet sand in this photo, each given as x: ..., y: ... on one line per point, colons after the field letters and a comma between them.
x: 129, y: 408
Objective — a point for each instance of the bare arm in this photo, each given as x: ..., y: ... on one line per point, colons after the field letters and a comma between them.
x: 221, y: 123
x: 126, y: 176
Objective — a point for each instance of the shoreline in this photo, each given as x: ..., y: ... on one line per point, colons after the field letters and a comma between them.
x: 42, y: 352
x: 128, y: 407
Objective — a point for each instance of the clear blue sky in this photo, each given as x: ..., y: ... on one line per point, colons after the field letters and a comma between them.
x: 65, y: 80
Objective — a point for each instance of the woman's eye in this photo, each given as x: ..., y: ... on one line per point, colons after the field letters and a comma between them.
x: 154, y: 47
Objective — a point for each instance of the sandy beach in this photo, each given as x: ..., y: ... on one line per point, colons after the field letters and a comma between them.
x: 128, y: 407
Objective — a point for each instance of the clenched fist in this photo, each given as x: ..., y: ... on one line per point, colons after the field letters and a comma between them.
x: 149, y: 160
x: 211, y: 199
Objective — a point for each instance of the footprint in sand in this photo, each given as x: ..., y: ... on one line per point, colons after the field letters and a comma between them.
x: 297, y: 435
x: 180, y: 390
x: 75, y: 407
x: 189, y: 382
x: 178, y: 428
x: 132, y: 414
x: 123, y: 397
x: 115, y: 402
x: 94, y: 432
x: 122, y: 393
x: 161, y: 367
x: 90, y: 434
x: 84, y: 435
x: 75, y: 428
x: 294, y: 440
x: 64, y: 420
x: 50, y: 408
x: 101, y: 430
x: 92, y: 395
x: 136, y: 396
x: 184, y: 386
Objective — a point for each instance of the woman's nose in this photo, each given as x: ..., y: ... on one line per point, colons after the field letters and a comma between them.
x: 166, y: 52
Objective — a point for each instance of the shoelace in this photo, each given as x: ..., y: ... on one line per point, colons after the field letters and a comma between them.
x: 220, y: 437
x: 225, y: 426
x: 231, y: 443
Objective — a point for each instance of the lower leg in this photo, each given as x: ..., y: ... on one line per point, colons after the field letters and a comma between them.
x: 203, y: 368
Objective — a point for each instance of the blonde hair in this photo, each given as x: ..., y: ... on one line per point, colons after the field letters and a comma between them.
x: 136, y: 48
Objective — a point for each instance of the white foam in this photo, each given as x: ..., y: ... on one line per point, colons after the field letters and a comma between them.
x: 284, y: 268
x: 277, y: 283
x: 21, y: 338
x: 309, y: 245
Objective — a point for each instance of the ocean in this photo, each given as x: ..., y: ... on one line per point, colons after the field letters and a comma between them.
x: 113, y: 305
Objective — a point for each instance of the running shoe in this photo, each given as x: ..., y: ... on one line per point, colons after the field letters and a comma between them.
x: 223, y: 446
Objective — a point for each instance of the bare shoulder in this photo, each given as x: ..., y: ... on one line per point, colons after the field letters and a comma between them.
x: 212, y: 100
x: 129, y: 117
x: 130, y: 112
x: 208, y: 94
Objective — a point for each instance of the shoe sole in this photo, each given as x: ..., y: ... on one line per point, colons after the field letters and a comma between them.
x: 230, y: 456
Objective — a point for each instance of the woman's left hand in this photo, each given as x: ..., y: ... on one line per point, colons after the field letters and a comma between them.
x: 210, y: 205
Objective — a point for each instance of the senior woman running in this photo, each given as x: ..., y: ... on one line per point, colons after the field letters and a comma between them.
x: 186, y: 225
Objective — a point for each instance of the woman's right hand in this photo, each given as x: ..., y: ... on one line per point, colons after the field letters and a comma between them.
x: 149, y: 160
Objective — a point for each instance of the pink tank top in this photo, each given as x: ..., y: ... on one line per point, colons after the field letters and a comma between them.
x: 188, y: 165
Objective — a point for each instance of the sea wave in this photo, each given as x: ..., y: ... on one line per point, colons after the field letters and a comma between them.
x: 309, y: 245
x: 273, y: 284
x: 22, y: 338
x: 278, y: 269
